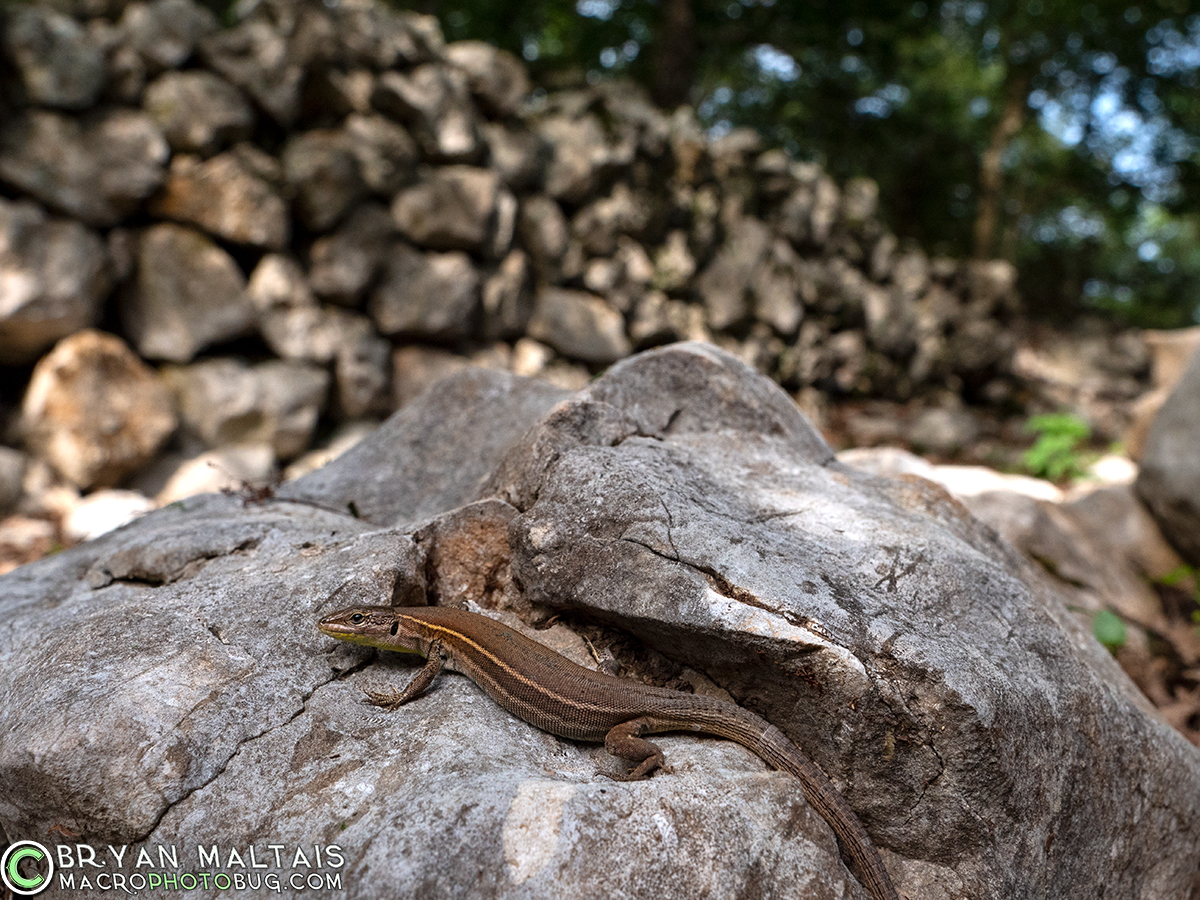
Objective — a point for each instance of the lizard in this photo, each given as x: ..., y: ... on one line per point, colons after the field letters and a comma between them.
x: 554, y: 694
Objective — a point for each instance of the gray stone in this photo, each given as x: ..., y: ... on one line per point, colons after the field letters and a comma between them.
x: 58, y: 62
x: 165, y: 33
x: 581, y: 152
x: 496, y: 77
x: 380, y: 37
x: 890, y: 319
x: 415, y: 369
x: 432, y: 295
x: 544, y: 234
x: 450, y: 208
x: 979, y: 346
x: 507, y: 298
x: 600, y: 223
x: 517, y: 154
x: 226, y: 402
x: 386, y: 155
x: 481, y: 413
x: 991, y: 286
x: 724, y: 285
x: 505, y: 228
x: 98, y: 168
x: 12, y: 475
x: 674, y: 264
x: 344, y: 264
x: 735, y: 151
x: 659, y: 319
x: 775, y: 287
x: 267, y: 54
x: 810, y: 211
x: 608, y: 459
x: 54, y: 277
x: 225, y: 197
x: 360, y: 367
x: 579, y: 325
x: 94, y: 411
x: 289, y: 319
x: 321, y: 168
x: 197, y: 111
x: 947, y: 431
x: 237, y: 470
x: 434, y: 102
x: 188, y: 295
x: 1169, y: 479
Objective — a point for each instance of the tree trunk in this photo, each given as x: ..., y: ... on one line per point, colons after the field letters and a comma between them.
x: 991, y: 164
x: 674, y: 54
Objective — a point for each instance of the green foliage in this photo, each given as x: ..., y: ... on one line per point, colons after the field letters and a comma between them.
x: 1109, y: 630
x: 1055, y: 454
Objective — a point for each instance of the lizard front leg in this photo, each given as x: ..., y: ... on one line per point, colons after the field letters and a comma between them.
x: 625, y: 741
x: 394, y: 699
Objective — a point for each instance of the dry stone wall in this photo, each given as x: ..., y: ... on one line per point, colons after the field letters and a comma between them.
x: 299, y: 220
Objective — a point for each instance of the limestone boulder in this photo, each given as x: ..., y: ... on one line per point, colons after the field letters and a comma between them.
x: 94, y: 411
x: 684, y: 504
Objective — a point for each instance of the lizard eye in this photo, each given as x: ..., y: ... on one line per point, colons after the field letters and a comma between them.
x: 357, y: 618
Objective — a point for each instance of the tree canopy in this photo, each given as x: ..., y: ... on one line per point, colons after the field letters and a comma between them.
x: 1060, y: 135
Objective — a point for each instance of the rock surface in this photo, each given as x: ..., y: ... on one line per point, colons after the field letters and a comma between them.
x: 680, y: 497
x: 189, y: 293
x: 99, y: 169
x: 95, y: 411
x: 54, y: 276
x: 1169, y: 479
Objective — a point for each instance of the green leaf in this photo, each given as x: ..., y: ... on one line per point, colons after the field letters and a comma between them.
x: 1109, y: 630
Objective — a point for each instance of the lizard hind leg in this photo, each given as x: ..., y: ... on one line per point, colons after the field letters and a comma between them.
x: 625, y: 741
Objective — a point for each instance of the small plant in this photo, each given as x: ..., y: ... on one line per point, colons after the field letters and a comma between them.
x: 1109, y: 630
x: 1055, y: 454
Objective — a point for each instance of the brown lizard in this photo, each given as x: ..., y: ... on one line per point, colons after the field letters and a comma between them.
x: 556, y: 695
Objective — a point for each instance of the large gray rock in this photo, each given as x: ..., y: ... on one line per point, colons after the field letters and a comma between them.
x: 198, y: 112
x: 189, y: 294
x: 544, y: 233
x: 376, y: 36
x: 386, y: 154
x: 724, y: 285
x: 344, y: 263
x: 99, y: 167
x: 936, y: 677
x: 451, y: 208
x: 54, y: 276
x: 268, y: 53
x: 322, y: 169
x: 496, y: 77
x: 165, y: 33
x: 226, y: 197
x: 433, y: 295
x: 58, y: 62
x: 579, y: 325
x: 94, y: 411
x: 435, y: 103
x: 1169, y: 478
x: 227, y: 401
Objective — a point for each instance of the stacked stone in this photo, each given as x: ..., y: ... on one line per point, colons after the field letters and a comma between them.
x: 216, y: 240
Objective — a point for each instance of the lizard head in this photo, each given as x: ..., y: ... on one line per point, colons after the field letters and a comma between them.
x: 371, y: 626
